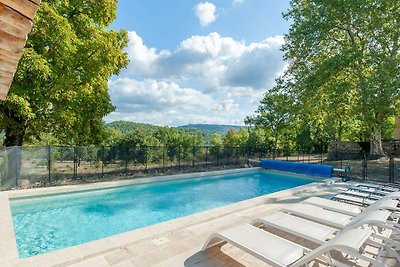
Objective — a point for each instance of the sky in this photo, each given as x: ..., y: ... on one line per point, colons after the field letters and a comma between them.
x: 197, y: 61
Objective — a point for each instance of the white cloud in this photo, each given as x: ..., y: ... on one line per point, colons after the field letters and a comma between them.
x: 257, y: 66
x: 238, y: 2
x: 206, y: 79
x: 213, y: 60
x: 165, y: 103
x: 206, y: 12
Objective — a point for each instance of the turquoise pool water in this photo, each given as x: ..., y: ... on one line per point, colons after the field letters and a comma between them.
x: 53, y: 222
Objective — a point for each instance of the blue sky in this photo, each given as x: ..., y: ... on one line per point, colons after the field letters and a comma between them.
x: 197, y: 61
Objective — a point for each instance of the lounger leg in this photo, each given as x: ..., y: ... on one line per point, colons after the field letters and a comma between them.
x: 387, y: 241
x: 212, y: 242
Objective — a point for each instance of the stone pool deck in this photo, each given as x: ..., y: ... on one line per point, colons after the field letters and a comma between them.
x: 172, y: 243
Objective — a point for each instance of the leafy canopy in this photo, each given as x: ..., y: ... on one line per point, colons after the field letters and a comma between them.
x: 61, y: 85
x: 344, y: 61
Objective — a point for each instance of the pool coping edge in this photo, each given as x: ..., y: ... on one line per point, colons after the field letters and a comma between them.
x: 87, y: 250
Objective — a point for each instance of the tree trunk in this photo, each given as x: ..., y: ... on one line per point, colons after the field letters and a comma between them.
x: 340, y: 131
x: 276, y: 144
x: 376, y: 148
x: 14, y: 137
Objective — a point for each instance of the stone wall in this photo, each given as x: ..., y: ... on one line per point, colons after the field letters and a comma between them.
x: 344, y: 150
x: 397, y: 129
x: 353, y: 150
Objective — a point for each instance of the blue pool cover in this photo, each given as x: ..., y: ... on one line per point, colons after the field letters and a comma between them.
x: 303, y: 168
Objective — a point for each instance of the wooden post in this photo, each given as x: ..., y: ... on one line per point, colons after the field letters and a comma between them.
x: 16, y: 21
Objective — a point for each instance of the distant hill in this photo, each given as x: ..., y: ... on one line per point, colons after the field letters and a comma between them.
x: 128, y: 126
x: 214, y: 128
x: 205, y: 130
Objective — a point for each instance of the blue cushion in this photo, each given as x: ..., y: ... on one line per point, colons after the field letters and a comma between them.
x: 303, y: 168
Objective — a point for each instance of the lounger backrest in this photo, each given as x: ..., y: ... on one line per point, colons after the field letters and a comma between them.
x: 348, y: 242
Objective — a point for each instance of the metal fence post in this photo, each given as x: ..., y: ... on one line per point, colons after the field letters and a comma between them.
x: 75, y: 174
x: 321, y: 156
x: 206, y: 156
x: 126, y: 158
x: 364, y: 167
x: 49, y: 161
x: 217, y: 155
x: 194, y: 156
x: 391, y: 169
x: 163, y: 159
x: 16, y: 166
x: 146, y: 159
x: 179, y: 158
x: 102, y: 161
x: 341, y: 160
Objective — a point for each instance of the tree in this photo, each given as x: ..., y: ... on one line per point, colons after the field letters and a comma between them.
x: 61, y: 85
x: 344, y: 54
x: 235, y: 138
x: 216, y: 140
x: 274, y: 114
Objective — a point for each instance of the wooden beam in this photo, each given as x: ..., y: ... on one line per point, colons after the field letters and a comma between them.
x: 8, y: 66
x: 10, y: 29
x: 37, y: 2
x: 16, y: 18
x: 24, y: 7
x: 9, y: 54
x: 3, y: 92
x: 6, y: 82
x: 5, y: 74
x: 11, y: 43
x: 9, y: 16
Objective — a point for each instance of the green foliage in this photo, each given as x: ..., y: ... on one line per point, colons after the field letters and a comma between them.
x: 258, y: 138
x: 211, y: 128
x: 235, y: 138
x: 62, y: 80
x: 112, y: 137
x: 127, y: 126
x: 344, y: 65
x: 343, y: 76
x: 216, y: 140
x: 204, y: 130
x: 274, y: 115
x: 177, y: 138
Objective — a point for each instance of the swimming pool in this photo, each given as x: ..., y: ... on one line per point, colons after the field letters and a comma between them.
x: 47, y: 223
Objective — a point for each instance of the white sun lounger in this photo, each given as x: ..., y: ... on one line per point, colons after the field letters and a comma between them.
x: 359, y: 199
x: 374, y: 218
x: 385, y: 187
x: 354, y: 200
x: 277, y: 251
x: 332, y: 205
x: 373, y: 191
x: 350, y: 209
x: 320, y: 234
x: 309, y: 230
x: 319, y: 215
x: 362, y: 195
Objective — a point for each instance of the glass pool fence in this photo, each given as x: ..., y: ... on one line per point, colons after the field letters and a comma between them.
x: 29, y: 167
